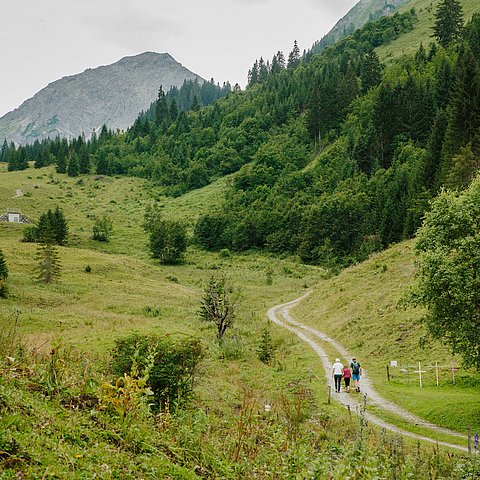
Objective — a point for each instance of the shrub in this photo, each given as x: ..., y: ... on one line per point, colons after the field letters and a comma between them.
x: 102, y: 230
x: 266, y: 349
x: 219, y: 304
x: 168, y: 241
x: 172, y: 375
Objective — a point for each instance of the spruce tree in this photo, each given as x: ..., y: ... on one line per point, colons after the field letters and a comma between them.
x: 464, y: 113
x: 294, y: 56
x: 3, y: 275
x: 59, y: 226
x: 448, y: 22
x: 48, y: 264
x: 83, y: 161
x: 173, y: 110
x: 161, y: 108
x: 253, y: 74
x: 195, y: 105
x: 73, y: 166
x: 371, y: 71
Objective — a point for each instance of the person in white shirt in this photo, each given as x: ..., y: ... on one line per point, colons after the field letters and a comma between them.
x: 337, y: 371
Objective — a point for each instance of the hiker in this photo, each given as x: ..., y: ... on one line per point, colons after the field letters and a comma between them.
x: 347, y: 375
x: 356, y: 372
x: 337, y: 371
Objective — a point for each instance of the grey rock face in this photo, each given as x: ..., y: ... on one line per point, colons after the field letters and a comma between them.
x: 358, y: 16
x: 113, y: 95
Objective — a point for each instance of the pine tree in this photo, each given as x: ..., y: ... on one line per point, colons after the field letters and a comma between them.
x: 262, y: 71
x: 465, y: 167
x: 253, y: 74
x: 464, y: 113
x: 161, y: 108
x: 371, y: 71
x: 73, y: 166
x: 294, y: 56
x: 266, y: 348
x: 48, y: 263
x: 59, y: 226
x: 195, y: 105
x: 3, y: 275
x: 448, y: 22
x: 173, y: 110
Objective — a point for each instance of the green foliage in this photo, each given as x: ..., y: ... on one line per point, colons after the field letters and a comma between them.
x: 266, y: 348
x: 465, y: 166
x: 333, y: 137
x: 449, y: 266
x: 219, y: 304
x: 52, y: 226
x: 209, y: 230
x: 169, y: 367
x: 130, y: 392
x: 103, y: 229
x: 3, y: 275
x: 448, y: 22
x: 48, y: 263
x: 167, y: 238
x: 168, y: 241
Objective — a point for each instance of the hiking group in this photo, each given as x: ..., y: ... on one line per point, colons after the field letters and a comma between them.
x: 352, y: 372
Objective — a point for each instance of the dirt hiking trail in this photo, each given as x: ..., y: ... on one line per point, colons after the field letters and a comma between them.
x: 280, y: 315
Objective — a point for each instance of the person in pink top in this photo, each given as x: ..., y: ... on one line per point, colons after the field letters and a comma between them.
x: 347, y: 375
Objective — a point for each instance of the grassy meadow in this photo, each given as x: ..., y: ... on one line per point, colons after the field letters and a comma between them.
x: 363, y: 308
x: 66, y: 332
x: 408, y: 43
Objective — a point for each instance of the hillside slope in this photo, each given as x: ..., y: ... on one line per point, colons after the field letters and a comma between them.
x: 113, y: 95
x: 363, y: 309
x: 360, y: 14
x: 409, y: 42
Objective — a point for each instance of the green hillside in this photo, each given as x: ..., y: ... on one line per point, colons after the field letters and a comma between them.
x: 408, y: 43
x: 362, y: 308
x: 324, y: 166
x: 360, y: 14
x: 67, y: 330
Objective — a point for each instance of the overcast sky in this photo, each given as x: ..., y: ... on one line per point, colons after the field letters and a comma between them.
x: 44, y: 40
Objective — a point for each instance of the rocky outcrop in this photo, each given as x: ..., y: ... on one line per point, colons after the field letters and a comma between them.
x: 358, y: 16
x: 113, y: 95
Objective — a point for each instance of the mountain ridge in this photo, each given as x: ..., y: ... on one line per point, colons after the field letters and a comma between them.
x: 108, y: 94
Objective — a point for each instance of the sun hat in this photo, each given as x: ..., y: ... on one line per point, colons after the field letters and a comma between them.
x: 337, y: 360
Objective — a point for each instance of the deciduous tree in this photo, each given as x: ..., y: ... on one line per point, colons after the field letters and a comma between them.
x: 449, y: 271
x: 219, y: 304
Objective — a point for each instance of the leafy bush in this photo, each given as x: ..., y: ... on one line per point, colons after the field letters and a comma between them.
x: 172, y: 376
x: 102, y: 230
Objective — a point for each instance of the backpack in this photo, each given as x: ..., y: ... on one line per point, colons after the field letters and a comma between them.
x: 355, y: 368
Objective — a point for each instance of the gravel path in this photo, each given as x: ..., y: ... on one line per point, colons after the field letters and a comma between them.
x: 280, y: 315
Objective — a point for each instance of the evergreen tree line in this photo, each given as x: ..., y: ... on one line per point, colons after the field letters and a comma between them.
x: 408, y: 131
x: 183, y: 150
x: 77, y: 156
x: 389, y: 139
x: 51, y: 227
